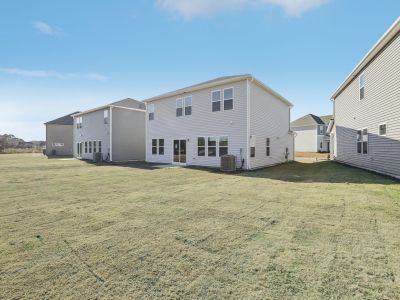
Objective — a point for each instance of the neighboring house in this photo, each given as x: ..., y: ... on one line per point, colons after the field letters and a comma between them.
x: 366, y: 132
x: 116, y: 130
x: 311, y: 133
x: 59, y: 136
x: 236, y: 115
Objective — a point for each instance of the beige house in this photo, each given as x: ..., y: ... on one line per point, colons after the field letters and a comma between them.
x: 366, y: 129
x: 236, y: 115
x: 59, y: 136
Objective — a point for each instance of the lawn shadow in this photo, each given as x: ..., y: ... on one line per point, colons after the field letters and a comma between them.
x: 317, y: 172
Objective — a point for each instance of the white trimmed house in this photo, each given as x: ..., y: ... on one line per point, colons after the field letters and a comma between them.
x: 115, y: 130
x: 366, y: 129
x: 236, y: 115
x: 311, y: 133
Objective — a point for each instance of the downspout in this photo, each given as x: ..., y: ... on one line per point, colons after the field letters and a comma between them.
x: 111, y: 156
x: 248, y: 164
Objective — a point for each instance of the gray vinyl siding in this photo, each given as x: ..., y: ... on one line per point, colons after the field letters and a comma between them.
x: 202, y: 123
x: 128, y: 139
x: 93, y: 129
x: 269, y: 118
x: 306, y: 139
x: 60, y: 134
x: 380, y: 105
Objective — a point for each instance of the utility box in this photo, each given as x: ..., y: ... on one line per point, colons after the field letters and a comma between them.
x: 228, y: 163
x: 97, y: 157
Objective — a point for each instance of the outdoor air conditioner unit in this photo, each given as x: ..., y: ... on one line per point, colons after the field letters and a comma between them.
x: 97, y: 157
x: 228, y: 163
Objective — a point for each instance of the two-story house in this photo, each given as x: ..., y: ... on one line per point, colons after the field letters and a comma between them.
x: 115, y: 130
x: 59, y: 136
x: 366, y: 132
x: 311, y: 133
x: 237, y: 115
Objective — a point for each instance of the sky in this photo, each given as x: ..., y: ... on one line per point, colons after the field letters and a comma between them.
x: 57, y: 57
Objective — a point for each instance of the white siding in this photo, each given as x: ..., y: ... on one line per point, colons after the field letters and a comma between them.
x: 306, y: 139
x: 93, y: 129
x: 202, y: 123
x: 381, y: 105
x: 269, y: 118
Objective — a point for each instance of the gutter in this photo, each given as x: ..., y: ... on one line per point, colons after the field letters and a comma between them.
x: 111, y: 145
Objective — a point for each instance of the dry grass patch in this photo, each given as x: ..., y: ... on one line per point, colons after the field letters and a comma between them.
x: 75, y: 230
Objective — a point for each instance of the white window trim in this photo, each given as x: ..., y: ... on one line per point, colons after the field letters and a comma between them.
x: 176, y: 107
x: 155, y: 146
x: 233, y: 97
x: 206, y: 144
x: 221, y: 96
x: 184, y: 105
x: 379, y: 129
x: 362, y: 141
x: 360, y: 87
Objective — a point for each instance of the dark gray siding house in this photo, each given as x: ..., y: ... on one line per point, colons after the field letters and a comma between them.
x: 366, y: 132
x: 59, y: 136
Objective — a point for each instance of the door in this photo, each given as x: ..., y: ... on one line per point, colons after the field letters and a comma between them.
x: 179, y: 152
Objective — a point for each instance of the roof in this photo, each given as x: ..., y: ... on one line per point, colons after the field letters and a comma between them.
x: 65, y: 120
x: 216, y: 82
x: 389, y: 35
x: 311, y: 120
x: 124, y: 103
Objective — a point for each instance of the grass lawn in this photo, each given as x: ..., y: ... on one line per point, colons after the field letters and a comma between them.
x: 75, y: 230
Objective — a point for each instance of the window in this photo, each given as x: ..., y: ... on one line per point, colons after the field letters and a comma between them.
x: 268, y: 146
x: 99, y: 143
x: 359, y: 142
x: 382, y: 129
x: 90, y: 147
x: 94, y: 147
x: 150, y: 110
x: 106, y: 116
x: 320, y: 145
x: 321, y: 130
x: 188, y: 106
x: 252, y: 151
x: 179, y: 107
x: 365, y: 141
x: 161, y: 146
x: 201, y: 146
x: 216, y: 100
x: 212, y: 146
x: 86, y: 148
x: 228, y: 99
x: 223, y: 145
x: 362, y: 86
x: 79, y: 122
x: 153, y: 146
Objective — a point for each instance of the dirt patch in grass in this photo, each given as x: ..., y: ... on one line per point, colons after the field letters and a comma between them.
x: 306, y: 231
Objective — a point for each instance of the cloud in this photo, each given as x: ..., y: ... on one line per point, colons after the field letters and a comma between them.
x: 51, y: 74
x: 191, y: 8
x: 45, y: 28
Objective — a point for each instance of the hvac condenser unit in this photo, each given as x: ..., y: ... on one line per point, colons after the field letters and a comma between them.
x: 228, y: 163
x: 97, y: 157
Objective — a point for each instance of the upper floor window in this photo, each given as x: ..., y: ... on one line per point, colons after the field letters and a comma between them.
x: 228, y: 99
x: 188, y: 106
x: 362, y: 86
x: 179, y: 107
x: 150, y: 110
x: 382, y: 129
x: 216, y: 100
x: 79, y: 122
x: 106, y: 116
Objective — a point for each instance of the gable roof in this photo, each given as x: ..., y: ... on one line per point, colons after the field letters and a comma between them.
x: 311, y: 120
x: 124, y: 103
x: 389, y: 35
x: 219, y: 81
x: 65, y: 120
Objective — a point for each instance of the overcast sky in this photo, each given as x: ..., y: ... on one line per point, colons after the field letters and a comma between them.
x: 57, y: 57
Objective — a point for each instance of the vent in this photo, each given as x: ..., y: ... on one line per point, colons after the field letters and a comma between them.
x: 97, y: 157
x: 228, y: 163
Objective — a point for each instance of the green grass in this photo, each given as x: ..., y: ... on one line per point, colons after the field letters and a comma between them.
x: 75, y: 230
